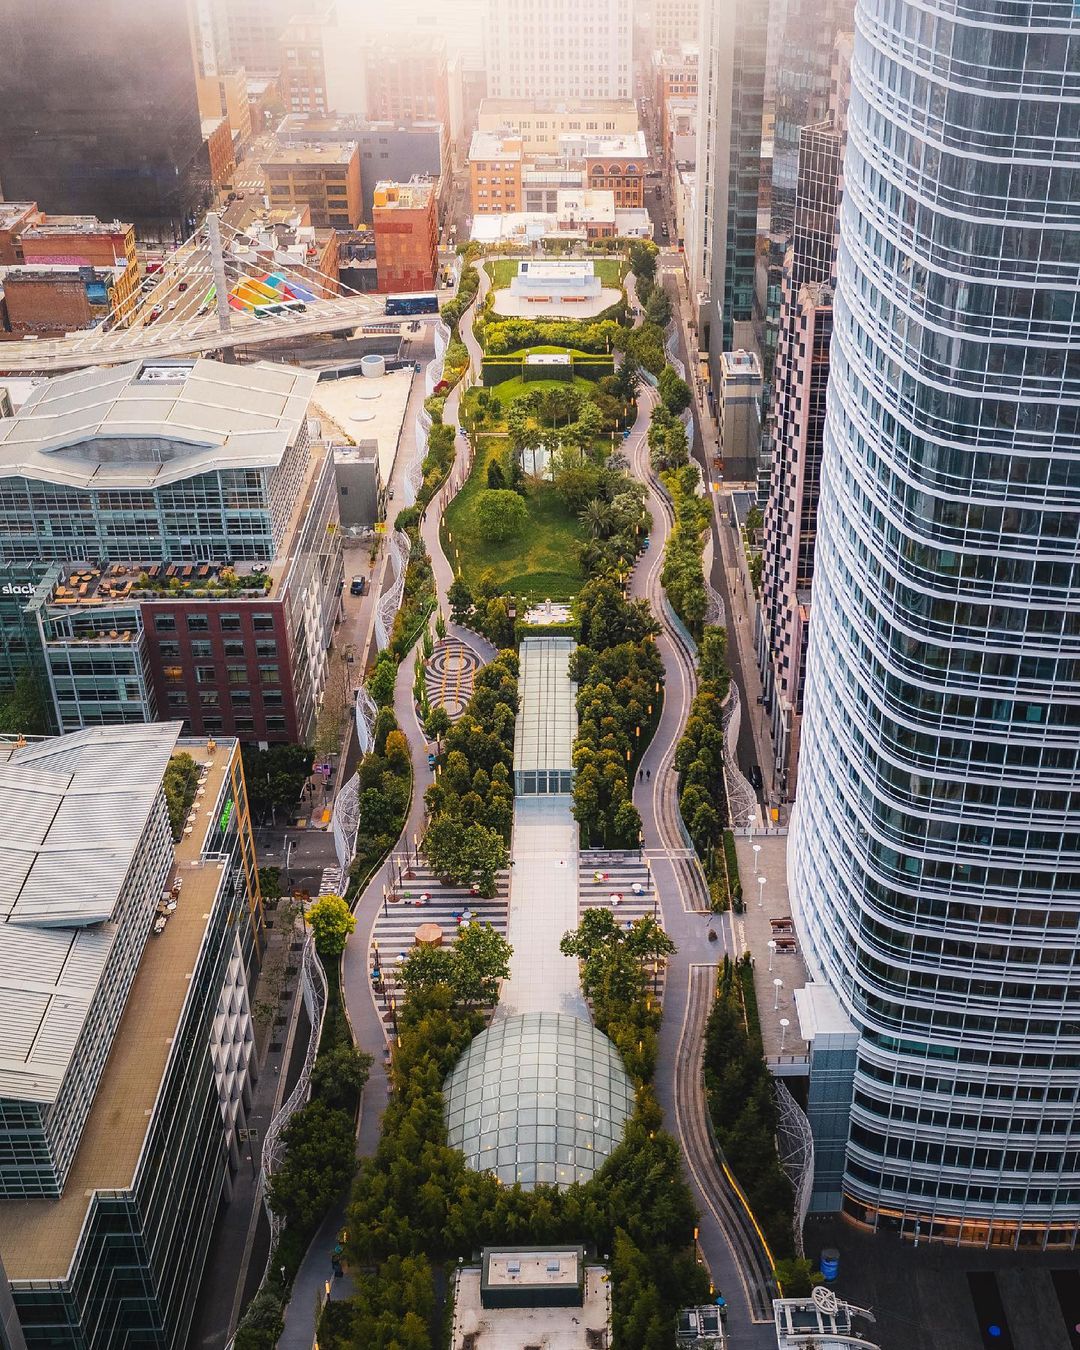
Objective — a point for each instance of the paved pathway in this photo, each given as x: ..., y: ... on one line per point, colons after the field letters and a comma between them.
x: 730, y: 1251
x: 543, y: 906
x: 365, y: 1018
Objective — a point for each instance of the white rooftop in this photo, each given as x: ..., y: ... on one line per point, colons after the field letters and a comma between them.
x: 82, y: 802
x: 145, y: 424
x: 547, y: 716
x: 577, y: 1328
x: 366, y: 409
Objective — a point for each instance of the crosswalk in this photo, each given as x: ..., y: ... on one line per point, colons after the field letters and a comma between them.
x: 419, y: 898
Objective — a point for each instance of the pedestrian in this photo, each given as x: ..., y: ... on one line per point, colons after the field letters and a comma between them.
x: 648, y: 773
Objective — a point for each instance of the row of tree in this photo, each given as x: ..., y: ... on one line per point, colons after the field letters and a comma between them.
x: 742, y: 1102
x: 699, y: 762
x: 471, y: 803
x: 683, y: 575
x: 618, y: 966
x: 619, y: 674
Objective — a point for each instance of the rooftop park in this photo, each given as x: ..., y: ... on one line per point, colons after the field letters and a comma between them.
x: 548, y: 501
x: 611, y: 271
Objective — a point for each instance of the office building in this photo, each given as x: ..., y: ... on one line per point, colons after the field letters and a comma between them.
x: 675, y: 22
x: 934, y: 863
x: 406, y: 225
x: 541, y: 123
x: 551, y: 49
x: 731, y: 92
x: 173, y: 534
x: 406, y: 80
x: 217, y: 133
x: 323, y: 177
x: 800, y: 378
x: 320, y: 57
x: 505, y: 176
x: 87, y: 129
x: 127, y: 1036
x: 387, y: 150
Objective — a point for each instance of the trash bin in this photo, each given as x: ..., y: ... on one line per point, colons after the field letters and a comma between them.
x: 830, y: 1263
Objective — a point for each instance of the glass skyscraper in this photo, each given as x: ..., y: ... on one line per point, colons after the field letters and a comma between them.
x: 935, y: 857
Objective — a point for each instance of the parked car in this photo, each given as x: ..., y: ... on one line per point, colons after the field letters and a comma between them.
x: 358, y: 586
x: 756, y: 780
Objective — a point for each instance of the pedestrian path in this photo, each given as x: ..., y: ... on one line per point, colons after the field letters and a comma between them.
x: 414, y: 899
x: 543, y: 906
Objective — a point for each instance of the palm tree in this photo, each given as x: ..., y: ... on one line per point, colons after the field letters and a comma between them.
x: 598, y: 518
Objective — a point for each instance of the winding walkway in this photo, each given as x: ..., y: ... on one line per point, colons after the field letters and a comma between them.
x: 730, y: 1247
x: 369, y: 1031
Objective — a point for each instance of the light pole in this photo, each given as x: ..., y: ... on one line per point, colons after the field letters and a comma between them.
x: 784, y: 1024
x: 771, y: 944
x: 778, y: 984
x: 757, y: 850
x: 750, y: 824
x: 760, y: 890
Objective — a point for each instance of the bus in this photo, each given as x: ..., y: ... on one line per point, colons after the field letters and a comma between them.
x: 418, y: 302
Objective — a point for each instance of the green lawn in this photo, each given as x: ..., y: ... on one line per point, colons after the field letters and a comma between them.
x: 610, y: 271
x: 542, y: 564
x: 515, y: 388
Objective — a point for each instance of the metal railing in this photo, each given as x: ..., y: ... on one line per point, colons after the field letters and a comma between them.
x: 390, y: 602
x: 795, y: 1145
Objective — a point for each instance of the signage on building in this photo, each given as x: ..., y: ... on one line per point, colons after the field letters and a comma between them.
x: 17, y: 588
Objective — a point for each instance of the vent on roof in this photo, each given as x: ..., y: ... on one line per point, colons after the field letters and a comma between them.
x: 164, y: 375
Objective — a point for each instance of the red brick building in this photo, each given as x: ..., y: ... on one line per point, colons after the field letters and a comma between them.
x: 407, y: 80
x: 406, y: 236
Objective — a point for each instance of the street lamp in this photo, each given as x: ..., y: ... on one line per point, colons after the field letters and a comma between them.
x: 757, y: 850
x: 750, y: 824
x: 784, y: 1024
x: 771, y: 944
x: 778, y: 984
x: 760, y: 890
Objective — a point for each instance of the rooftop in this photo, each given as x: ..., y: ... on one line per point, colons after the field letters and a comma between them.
x: 547, y: 720
x: 412, y: 196
x: 362, y: 409
x: 12, y: 212
x: 145, y: 424
x: 571, y: 1328
x: 82, y: 802
x: 328, y: 152
x: 38, y: 1237
x: 593, y: 107
x: 495, y: 145
x: 514, y: 1267
x: 592, y: 144
x: 54, y: 227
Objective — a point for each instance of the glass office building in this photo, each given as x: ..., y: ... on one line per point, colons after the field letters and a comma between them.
x: 100, y: 116
x: 935, y: 857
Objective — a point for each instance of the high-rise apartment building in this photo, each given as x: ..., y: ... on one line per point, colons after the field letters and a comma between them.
x: 102, y: 117
x: 560, y: 49
x: 731, y: 93
x: 934, y: 859
x: 126, y: 1032
x: 800, y: 377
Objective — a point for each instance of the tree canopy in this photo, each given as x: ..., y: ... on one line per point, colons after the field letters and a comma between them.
x: 331, y: 921
x: 501, y: 515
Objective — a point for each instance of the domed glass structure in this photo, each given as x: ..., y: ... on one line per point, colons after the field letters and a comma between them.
x: 538, y: 1098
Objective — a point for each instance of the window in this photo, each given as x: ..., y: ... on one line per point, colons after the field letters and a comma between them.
x: 169, y: 651
x: 174, y: 674
x: 269, y: 675
x: 273, y: 698
x: 262, y: 623
x: 201, y: 649
x: 266, y: 647
x: 275, y: 724
x: 205, y: 674
x: 209, y: 698
x: 234, y: 647
x: 245, y: 726
x: 230, y: 623
x: 177, y: 698
x: 238, y: 675
x: 164, y: 623
x: 198, y: 623
x: 240, y: 698
x: 212, y: 726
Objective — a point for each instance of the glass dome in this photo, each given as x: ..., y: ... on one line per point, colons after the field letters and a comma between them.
x: 538, y: 1098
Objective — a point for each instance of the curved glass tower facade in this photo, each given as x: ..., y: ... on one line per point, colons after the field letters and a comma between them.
x: 935, y: 861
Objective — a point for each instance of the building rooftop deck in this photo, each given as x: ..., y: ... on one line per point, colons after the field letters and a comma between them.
x: 38, y: 1238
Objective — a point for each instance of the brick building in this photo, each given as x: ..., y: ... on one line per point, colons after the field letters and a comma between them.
x: 495, y: 167
x: 406, y: 236
x: 85, y: 241
x: 14, y: 218
x: 217, y: 133
x: 51, y: 299
x: 406, y: 79
x: 325, y: 178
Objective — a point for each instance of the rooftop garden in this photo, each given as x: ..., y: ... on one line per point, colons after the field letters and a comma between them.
x: 200, y: 581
